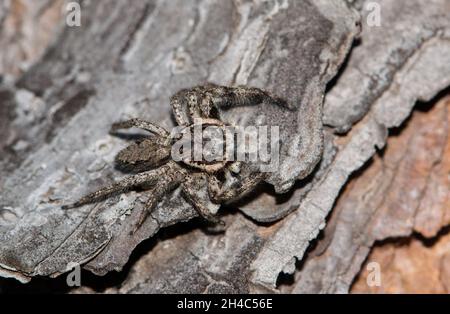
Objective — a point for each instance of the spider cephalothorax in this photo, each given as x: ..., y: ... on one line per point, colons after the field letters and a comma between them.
x: 199, y: 155
x: 196, y: 112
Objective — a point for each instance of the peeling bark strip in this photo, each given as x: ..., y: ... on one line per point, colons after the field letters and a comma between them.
x: 128, y: 58
x: 420, y: 78
x: 405, y: 32
x: 385, y: 201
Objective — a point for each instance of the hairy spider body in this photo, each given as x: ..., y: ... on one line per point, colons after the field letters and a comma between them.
x: 144, y: 155
x: 205, y: 183
x: 197, y: 129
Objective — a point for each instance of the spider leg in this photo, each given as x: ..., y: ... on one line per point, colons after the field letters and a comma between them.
x: 141, y: 124
x: 192, y: 98
x: 227, y: 97
x: 235, y: 167
x: 125, y: 184
x: 222, y: 193
x: 157, y: 194
x: 191, y: 194
x: 177, y: 101
x: 202, y: 100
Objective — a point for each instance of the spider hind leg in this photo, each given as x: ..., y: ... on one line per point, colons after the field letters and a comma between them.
x: 148, y: 177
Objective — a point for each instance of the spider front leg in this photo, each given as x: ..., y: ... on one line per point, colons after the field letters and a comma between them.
x: 227, y: 97
x: 182, y: 99
x: 192, y: 104
x: 223, y: 193
x: 191, y: 191
x: 148, y: 177
x: 140, y: 124
x: 203, y: 101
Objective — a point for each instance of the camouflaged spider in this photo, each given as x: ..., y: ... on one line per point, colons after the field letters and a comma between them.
x: 151, y: 157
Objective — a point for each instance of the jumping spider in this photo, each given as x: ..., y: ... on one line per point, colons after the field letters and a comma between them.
x: 151, y: 157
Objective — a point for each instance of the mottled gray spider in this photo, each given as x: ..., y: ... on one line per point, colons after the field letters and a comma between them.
x: 151, y: 157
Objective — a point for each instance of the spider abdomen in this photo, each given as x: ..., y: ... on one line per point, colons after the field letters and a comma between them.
x: 145, y: 154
